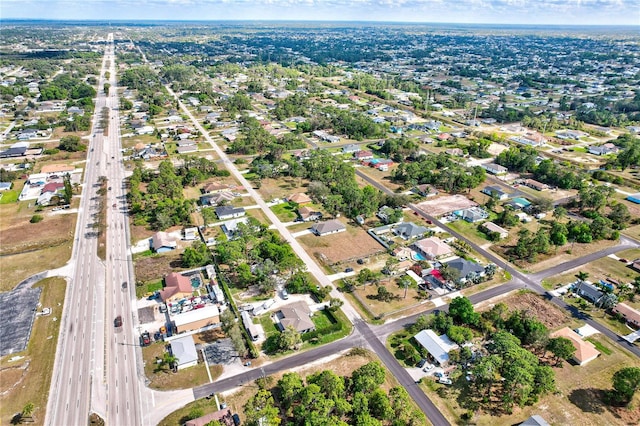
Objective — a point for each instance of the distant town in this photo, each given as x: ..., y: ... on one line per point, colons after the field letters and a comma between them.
x: 319, y: 224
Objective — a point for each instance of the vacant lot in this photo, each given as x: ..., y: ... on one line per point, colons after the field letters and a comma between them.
x: 156, y: 266
x: 442, y: 205
x: 17, y: 267
x: 600, y: 269
x: 340, y: 247
x: 28, y: 379
x: 342, y: 366
x: 281, y: 188
x: 550, y: 315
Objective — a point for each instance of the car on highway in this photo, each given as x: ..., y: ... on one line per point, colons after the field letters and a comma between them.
x: 118, y: 321
x: 124, y: 285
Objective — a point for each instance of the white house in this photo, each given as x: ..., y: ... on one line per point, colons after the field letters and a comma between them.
x: 438, y: 346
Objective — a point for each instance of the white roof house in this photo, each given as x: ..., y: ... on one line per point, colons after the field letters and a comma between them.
x: 184, y: 349
x: 438, y: 346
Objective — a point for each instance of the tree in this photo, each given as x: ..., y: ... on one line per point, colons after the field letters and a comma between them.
x: 368, y: 377
x: 27, y: 410
x: 196, y: 255
x: 227, y: 320
x: 462, y: 312
x: 289, y: 339
x: 68, y: 189
x: 71, y: 143
x: 561, y: 348
x: 260, y: 410
x: 608, y: 301
x: 619, y: 215
x: 379, y: 405
x: 559, y: 212
x: 625, y: 382
x: 460, y: 334
x: 168, y: 360
x: 449, y: 273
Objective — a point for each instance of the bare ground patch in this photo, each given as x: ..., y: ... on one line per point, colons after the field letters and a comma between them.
x: 341, y: 247
x: 155, y: 267
x: 447, y: 204
x: 551, y: 316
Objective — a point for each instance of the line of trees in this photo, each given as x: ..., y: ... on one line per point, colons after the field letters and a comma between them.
x: 325, y: 398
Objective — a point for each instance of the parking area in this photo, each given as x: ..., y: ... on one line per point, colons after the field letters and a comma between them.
x: 18, y: 311
x: 221, y: 352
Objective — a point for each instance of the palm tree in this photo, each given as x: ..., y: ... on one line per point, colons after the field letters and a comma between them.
x: 27, y: 411
x: 168, y: 359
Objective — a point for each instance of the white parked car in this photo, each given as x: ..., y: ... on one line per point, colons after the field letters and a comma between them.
x: 428, y: 367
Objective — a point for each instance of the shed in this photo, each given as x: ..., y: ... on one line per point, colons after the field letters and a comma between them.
x: 249, y: 325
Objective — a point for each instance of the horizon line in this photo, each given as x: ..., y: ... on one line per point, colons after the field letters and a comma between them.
x: 315, y: 21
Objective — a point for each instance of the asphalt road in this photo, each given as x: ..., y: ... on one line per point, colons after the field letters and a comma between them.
x: 77, y: 365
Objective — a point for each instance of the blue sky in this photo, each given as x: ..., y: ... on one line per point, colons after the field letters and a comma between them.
x: 572, y: 12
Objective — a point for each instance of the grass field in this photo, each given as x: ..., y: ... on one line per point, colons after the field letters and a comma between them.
x: 26, y: 264
x: 163, y: 379
x: 286, y: 212
x: 28, y: 379
x: 10, y: 196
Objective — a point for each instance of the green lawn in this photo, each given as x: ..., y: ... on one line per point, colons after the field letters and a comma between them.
x: 10, y: 196
x: 322, y: 319
x: 286, y: 212
x: 143, y: 290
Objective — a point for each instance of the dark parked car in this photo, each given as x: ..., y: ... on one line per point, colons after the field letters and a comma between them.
x: 145, y: 338
x: 118, y: 321
x: 236, y: 419
x: 349, y: 270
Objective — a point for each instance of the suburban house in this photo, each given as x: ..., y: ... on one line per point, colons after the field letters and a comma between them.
x: 329, y: 227
x: 409, y: 230
x: 48, y: 191
x: 494, y: 191
x: 197, y: 318
x: 217, y: 198
x: 326, y: 137
x: 363, y: 155
x: 495, y: 169
x: 190, y: 233
x: 585, y: 351
x: 299, y: 198
x: 161, y: 242
x: 519, y: 203
x: 56, y: 169
x: 185, y: 149
x: 184, y: 349
x: 492, y: 227
x: 605, y: 149
x: 437, y: 346
x: 230, y: 227
x: 538, y: 186
x: 296, y: 315
x: 467, y: 269
x: 588, y: 291
x: 535, y: 420
x: 385, y: 214
x: 251, y: 328
x: 229, y: 212
x: 216, y: 187
x: 350, y: 149
x: 526, y: 141
x: 176, y: 286
x: 632, y: 316
x: 307, y: 214
x: 433, y: 248
x: 425, y: 190
x: 472, y: 214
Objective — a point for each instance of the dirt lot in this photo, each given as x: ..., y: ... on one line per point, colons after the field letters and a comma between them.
x: 442, y: 205
x: 155, y: 267
x: 536, y: 306
x: 340, y: 247
x: 280, y: 188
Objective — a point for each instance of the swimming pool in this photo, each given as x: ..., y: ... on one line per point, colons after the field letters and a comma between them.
x: 195, y: 281
x: 417, y: 256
